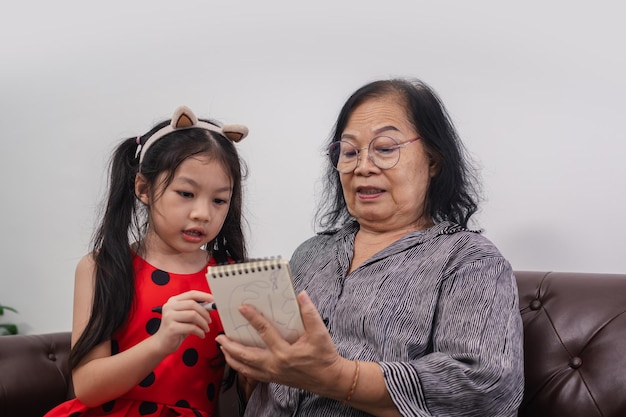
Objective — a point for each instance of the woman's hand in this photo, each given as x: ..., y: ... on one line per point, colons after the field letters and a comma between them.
x: 183, y: 315
x: 246, y: 386
x: 310, y: 363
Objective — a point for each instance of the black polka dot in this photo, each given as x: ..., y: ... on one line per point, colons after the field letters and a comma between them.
x: 147, y: 381
x: 153, y: 325
x: 182, y: 404
x: 197, y: 413
x: 76, y: 414
x: 147, y: 407
x: 106, y: 407
x: 160, y: 277
x: 190, y: 357
x: 210, y: 392
x: 115, y: 347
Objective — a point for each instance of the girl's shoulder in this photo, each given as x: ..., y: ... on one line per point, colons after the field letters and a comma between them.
x: 86, y: 264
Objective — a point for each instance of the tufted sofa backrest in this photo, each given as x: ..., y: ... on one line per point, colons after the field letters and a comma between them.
x: 574, y: 343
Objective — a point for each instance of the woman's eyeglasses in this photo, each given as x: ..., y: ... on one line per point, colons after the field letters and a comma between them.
x: 383, y: 151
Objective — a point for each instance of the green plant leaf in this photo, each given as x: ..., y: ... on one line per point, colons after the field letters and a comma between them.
x: 2, y: 308
x: 6, y: 329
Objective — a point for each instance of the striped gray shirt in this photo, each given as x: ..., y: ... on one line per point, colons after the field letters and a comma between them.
x: 437, y: 309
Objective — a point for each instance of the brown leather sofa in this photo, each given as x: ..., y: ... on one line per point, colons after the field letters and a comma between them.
x: 575, y: 352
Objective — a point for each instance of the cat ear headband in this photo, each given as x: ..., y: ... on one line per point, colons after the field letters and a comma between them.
x: 184, y: 118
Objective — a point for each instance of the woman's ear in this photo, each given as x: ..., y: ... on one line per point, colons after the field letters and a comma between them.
x: 434, y: 163
x: 434, y: 160
x: 141, y: 189
x: 433, y: 167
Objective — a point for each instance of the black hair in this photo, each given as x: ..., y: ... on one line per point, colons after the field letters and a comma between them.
x: 125, y: 219
x: 453, y: 191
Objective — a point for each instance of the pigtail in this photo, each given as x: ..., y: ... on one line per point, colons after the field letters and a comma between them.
x: 114, y: 285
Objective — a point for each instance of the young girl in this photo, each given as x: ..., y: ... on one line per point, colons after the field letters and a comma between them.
x: 143, y: 344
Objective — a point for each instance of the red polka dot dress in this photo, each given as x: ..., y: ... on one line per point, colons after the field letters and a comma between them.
x: 185, y: 383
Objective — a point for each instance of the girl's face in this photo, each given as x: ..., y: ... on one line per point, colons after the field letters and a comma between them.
x: 191, y: 210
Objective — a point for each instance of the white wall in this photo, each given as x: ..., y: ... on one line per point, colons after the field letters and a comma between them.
x: 536, y: 90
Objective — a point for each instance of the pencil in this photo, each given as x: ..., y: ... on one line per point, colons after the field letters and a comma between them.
x: 206, y: 305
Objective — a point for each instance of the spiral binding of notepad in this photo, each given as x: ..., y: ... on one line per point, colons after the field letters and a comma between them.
x: 247, y: 267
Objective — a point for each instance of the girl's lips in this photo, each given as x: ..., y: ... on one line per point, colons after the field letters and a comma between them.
x: 193, y: 235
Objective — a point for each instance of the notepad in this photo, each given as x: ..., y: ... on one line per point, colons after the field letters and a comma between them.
x: 265, y: 284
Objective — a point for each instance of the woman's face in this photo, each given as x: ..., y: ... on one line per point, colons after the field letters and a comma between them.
x: 393, y: 199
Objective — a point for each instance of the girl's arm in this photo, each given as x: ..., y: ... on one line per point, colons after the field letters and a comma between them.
x: 101, y: 377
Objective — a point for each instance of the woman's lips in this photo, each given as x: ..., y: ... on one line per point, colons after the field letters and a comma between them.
x: 369, y: 192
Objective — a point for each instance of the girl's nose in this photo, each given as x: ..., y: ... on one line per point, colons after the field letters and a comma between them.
x: 201, y: 212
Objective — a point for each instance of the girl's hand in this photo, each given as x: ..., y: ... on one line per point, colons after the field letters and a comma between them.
x: 311, y: 362
x: 181, y: 316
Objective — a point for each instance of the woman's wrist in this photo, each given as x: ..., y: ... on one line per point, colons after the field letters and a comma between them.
x: 355, y: 380
x: 339, y: 383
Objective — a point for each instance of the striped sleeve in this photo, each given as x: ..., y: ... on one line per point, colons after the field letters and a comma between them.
x: 469, y: 371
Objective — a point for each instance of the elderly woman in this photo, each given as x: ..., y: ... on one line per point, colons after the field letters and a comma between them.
x: 407, y: 311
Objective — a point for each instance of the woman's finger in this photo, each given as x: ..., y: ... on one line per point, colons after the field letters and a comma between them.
x: 247, y: 359
x: 316, y: 331
x: 310, y: 316
x: 270, y: 335
x: 246, y: 370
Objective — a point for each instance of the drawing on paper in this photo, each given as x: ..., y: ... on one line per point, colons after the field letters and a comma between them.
x: 268, y: 289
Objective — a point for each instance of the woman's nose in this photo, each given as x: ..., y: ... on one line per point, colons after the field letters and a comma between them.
x: 364, y: 162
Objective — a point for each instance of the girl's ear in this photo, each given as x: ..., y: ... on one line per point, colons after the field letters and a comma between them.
x: 141, y: 189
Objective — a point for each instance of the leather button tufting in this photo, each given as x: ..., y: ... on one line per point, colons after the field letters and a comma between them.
x: 535, y: 304
x: 575, y: 362
x: 52, y: 357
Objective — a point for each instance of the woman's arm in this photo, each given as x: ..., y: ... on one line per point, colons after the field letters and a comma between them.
x: 101, y: 377
x: 476, y: 361
x: 311, y: 363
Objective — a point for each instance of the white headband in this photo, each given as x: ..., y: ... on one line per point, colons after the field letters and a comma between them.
x: 184, y: 118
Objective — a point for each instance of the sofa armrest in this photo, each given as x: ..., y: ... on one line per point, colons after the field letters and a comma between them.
x: 34, y: 373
